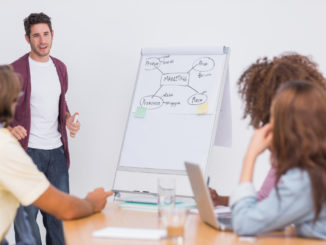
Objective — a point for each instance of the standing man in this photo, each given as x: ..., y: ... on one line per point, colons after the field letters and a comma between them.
x: 42, y: 115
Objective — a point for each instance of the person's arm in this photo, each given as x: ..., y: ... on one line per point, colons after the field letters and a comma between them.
x: 73, y: 127
x: 292, y: 204
x: 20, y: 177
x: 259, y: 142
x: 67, y: 207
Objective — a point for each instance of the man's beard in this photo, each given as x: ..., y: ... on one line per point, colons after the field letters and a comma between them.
x: 38, y: 53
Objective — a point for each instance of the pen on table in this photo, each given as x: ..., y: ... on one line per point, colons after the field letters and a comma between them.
x: 116, y: 192
x: 208, y: 179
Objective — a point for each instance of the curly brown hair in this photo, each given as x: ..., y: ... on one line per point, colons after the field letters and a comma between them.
x: 299, y: 135
x: 36, y: 18
x: 259, y: 83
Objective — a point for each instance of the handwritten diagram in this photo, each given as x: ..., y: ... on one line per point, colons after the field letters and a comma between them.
x: 170, y: 83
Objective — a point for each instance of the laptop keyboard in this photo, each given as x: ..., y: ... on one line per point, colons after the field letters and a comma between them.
x: 225, y: 218
x: 225, y: 215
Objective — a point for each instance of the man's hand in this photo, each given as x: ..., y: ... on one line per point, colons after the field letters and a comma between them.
x: 97, y: 198
x: 73, y: 126
x: 217, y: 199
x: 19, y: 132
x: 68, y: 207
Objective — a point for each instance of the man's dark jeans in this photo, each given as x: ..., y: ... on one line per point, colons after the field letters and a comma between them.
x: 53, y: 164
x: 24, y: 228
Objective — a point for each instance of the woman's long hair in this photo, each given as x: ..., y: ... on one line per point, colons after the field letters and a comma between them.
x: 9, y: 90
x: 299, y: 134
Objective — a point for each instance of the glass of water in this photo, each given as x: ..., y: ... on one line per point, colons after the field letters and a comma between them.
x: 165, y: 193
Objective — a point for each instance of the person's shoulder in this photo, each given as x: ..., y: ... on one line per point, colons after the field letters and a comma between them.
x: 11, y: 150
x: 296, y: 173
x: 6, y: 137
x: 58, y: 62
x: 7, y: 141
x: 20, y: 63
x: 296, y: 178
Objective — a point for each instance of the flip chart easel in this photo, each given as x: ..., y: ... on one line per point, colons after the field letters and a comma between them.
x: 173, y: 116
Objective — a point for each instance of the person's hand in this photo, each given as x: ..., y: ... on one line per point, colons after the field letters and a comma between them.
x: 73, y: 127
x: 97, y: 198
x: 214, y: 196
x: 217, y: 199
x: 260, y: 141
x: 19, y: 132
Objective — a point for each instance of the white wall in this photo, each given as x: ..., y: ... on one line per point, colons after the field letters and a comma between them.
x: 100, y: 42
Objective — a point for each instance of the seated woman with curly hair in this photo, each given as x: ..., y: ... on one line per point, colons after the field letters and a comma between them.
x: 257, y: 87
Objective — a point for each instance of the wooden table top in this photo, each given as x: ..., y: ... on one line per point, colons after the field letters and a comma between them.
x: 79, y: 232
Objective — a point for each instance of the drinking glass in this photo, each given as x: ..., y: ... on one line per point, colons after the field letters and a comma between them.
x: 174, y: 220
x: 165, y: 193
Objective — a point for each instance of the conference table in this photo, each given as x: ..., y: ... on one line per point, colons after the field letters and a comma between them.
x: 79, y: 232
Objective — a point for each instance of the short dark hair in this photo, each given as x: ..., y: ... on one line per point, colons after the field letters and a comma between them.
x: 10, y: 87
x: 36, y: 18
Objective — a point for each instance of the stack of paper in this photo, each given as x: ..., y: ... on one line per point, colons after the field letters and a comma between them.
x: 130, y: 233
x: 138, y: 206
x: 150, y: 207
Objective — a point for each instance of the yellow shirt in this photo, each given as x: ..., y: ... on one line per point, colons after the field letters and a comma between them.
x: 20, y: 180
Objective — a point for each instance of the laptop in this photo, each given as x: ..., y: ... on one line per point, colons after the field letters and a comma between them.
x: 204, y: 202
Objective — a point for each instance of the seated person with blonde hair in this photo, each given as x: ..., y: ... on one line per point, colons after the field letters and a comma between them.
x: 21, y: 181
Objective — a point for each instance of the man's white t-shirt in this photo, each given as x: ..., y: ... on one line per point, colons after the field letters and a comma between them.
x: 20, y: 180
x: 45, y: 95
